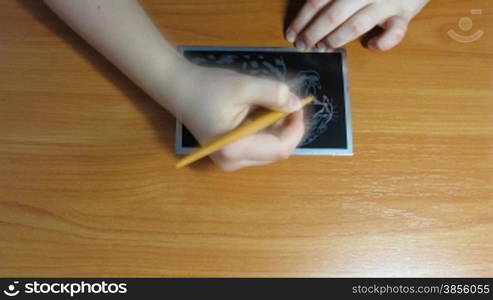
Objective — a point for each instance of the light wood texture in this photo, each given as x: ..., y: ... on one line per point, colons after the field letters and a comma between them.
x: 88, y: 185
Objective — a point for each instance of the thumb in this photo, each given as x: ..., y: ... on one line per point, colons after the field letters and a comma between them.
x: 272, y: 94
x: 395, y: 30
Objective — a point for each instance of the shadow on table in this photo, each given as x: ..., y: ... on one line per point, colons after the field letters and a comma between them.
x: 159, y: 118
x: 291, y: 10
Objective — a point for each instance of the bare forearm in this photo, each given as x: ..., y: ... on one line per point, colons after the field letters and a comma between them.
x: 209, y: 101
x: 125, y: 35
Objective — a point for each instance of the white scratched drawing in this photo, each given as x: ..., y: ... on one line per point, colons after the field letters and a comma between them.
x: 304, y: 84
x: 308, y: 83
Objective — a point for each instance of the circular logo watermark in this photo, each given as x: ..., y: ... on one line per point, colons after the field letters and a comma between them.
x: 465, y: 25
x: 11, y: 290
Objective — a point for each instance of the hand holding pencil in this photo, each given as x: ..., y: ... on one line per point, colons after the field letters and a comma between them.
x: 215, y: 101
x: 263, y: 121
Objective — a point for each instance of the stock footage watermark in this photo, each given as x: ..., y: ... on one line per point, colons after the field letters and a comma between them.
x: 465, y: 25
x: 70, y: 289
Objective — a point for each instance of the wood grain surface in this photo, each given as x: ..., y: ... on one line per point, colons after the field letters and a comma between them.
x: 88, y: 185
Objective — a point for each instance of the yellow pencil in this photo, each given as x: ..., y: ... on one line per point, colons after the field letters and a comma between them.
x: 263, y: 121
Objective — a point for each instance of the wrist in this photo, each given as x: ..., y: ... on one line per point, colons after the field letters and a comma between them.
x: 173, y: 82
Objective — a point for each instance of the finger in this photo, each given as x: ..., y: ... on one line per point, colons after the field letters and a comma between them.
x: 278, y: 127
x: 333, y: 16
x: 293, y: 131
x: 265, y: 146
x: 271, y: 94
x: 232, y: 157
x: 291, y: 136
x: 260, y: 146
x: 395, y: 30
x: 306, y: 14
x: 359, y: 24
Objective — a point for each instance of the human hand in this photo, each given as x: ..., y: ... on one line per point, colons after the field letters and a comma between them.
x: 210, y: 102
x: 332, y: 23
x: 214, y: 101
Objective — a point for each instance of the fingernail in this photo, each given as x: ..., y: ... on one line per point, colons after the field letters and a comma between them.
x: 294, y: 101
x: 322, y: 47
x: 291, y: 36
x: 384, y: 46
x: 300, y: 45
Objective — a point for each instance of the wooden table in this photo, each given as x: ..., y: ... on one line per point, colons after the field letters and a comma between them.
x: 88, y: 188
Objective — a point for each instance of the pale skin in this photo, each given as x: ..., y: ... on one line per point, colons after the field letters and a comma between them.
x: 327, y: 24
x: 212, y: 101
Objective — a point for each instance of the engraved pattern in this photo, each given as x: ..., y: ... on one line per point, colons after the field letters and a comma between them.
x: 304, y: 84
